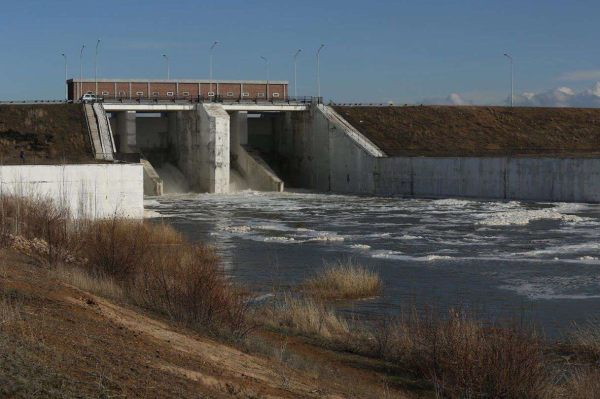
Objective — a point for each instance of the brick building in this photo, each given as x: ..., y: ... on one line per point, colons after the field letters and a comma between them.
x: 179, y: 88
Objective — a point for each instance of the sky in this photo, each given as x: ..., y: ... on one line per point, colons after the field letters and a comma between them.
x: 433, y: 52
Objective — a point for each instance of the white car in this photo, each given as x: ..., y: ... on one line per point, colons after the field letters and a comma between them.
x: 90, y: 98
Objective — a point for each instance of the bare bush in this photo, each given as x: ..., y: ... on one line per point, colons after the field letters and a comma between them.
x: 154, y: 266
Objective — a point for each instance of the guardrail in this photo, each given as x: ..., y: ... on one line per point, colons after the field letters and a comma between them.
x: 26, y: 102
x: 212, y: 99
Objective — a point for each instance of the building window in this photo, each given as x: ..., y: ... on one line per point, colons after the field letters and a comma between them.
x: 139, y: 93
x: 261, y: 94
x: 155, y: 93
x: 211, y: 93
x: 186, y: 93
x: 105, y: 93
x: 245, y: 94
x: 229, y: 94
x: 122, y: 93
x: 275, y: 94
x: 89, y: 92
x: 170, y: 93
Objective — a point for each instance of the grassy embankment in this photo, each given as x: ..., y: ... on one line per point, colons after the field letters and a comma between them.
x: 152, y: 266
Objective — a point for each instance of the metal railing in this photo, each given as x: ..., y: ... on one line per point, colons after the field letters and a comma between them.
x: 26, y: 102
x: 211, y: 99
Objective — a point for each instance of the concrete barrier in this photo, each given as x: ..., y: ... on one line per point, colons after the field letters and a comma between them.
x: 255, y: 170
x: 88, y: 190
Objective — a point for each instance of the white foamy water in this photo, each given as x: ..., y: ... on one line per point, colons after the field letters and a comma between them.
x: 486, y: 253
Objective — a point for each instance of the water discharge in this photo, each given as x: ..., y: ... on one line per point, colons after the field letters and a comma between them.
x: 500, y: 256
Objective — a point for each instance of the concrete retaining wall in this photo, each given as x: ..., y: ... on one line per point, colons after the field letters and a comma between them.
x: 93, y: 190
x: 324, y: 156
x: 255, y: 170
x: 537, y: 179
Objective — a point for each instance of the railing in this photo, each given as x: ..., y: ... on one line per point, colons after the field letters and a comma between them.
x: 25, y: 102
x: 211, y: 99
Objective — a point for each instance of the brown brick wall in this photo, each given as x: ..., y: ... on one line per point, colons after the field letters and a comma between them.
x: 123, y: 87
x: 163, y: 88
x: 192, y: 88
x: 225, y: 88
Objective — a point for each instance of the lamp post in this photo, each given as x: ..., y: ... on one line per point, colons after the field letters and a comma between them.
x: 511, y: 78
x: 267, y: 75
x: 81, y: 72
x: 66, y: 77
x: 295, y: 82
x: 96, y: 67
x: 319, y: 72
x: 210, y: 69
x: 168, y: 66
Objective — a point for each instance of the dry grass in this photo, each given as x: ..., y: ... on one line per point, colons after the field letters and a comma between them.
x: 463, y: 357
x: 306, y: 316
x: 587, y: 338
x: 10, y: 309
x: 344, y: 280
x: 86, y: 281
x: 150, y: 265
x: 584, y: 384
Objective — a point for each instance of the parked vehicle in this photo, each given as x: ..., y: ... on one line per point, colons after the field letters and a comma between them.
x: 90, y: 98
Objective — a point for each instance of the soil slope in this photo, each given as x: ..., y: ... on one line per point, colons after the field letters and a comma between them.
x: 442, y: 131
x: 49, y: 133
x: 59, y: 341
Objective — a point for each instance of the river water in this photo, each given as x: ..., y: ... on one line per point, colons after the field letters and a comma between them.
x: 502, y: 258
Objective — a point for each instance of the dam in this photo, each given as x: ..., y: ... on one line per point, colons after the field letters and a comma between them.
x: 211, y: 134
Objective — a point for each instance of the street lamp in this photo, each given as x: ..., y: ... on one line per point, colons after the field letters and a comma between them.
x: 66, y: 77
x: 96, y: 67
x: 81, y: 72
x: 267, y: 75
x: 319, y: 72
x: 295, y: 83
x: 210, y: 69
x: 511, y: 78
x: 168, y: 66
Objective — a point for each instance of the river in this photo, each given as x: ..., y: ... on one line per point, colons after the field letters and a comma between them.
x: 502, y: 258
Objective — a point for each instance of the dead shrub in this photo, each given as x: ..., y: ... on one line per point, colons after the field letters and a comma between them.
x: 465, y: 358
x: 584, y: 384
x: 586, y: 338
x: 154, y: 265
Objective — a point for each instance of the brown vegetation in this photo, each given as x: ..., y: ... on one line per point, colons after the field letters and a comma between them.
x: 442, y: 131
x: 343, y: 280
x: 156, y: 267
x: 47, y: 133
x: 454, y: 354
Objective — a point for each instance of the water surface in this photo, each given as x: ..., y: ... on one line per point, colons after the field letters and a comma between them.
x: 499, y: 257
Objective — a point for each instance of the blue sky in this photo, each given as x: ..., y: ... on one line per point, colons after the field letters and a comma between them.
x: 377, y: 51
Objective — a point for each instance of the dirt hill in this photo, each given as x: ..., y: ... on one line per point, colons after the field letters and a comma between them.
x: 54, y: 133
x: 441, y: 131
x: 59, y: 341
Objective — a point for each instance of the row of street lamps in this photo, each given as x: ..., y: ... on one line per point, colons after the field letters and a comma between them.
x: 169, y: 69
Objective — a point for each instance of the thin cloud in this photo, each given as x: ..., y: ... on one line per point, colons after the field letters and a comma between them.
x: 581, y: 76
x: 452, y: 99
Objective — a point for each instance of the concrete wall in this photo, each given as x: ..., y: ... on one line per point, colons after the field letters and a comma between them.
x: 322, y: 156
x: 94, y: 190
x: 260, y: 133
x: 325, y: 156
x: 255, y: 170
x: 200, y: 143
x: 537, y: 179
x: 214, y: 148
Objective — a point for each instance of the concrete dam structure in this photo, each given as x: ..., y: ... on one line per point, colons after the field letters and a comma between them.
x: 325, y: 148
x: 111, y: 153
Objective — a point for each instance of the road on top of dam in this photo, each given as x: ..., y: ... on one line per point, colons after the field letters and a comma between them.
x: 502, y: 258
